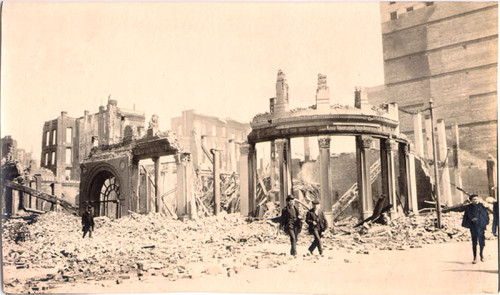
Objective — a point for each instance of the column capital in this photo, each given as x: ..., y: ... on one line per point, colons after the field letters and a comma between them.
x: 281, y: 143
x: 183, y: 158
x: 405, y: 148
x: 244, y: 149
x: 391, y: 145
x: 324, y: 142
x: 364, y: 142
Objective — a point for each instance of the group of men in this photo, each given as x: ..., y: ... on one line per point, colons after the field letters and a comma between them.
x: 291, y: 223
x: 475, y: 218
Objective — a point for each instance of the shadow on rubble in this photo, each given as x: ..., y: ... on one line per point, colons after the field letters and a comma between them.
x: 30, y: 219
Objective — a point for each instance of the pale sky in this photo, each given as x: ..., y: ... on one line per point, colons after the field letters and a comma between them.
x: 218, y: 58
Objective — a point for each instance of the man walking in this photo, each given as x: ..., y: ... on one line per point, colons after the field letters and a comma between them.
x: 291, y: 223
x: 317, y: 225
x: 88, y: 221
x: 476, y: 218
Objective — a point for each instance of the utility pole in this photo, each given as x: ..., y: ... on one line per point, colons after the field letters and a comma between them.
x: 436, y: 183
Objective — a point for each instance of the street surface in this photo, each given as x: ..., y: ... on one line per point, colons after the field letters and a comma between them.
x: 439, y: 268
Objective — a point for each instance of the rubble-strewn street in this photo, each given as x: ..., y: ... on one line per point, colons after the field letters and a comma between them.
x: 49, y: 251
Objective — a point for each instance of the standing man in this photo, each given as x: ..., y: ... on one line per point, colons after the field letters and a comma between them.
x: 88, y: 221
x: 317, y: 225
x: 291, y: 223
x: 476, y: 218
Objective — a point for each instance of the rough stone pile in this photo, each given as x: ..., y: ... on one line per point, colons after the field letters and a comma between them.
x: 135, y: 245
x: 154, y: 245
x: 400, y: 234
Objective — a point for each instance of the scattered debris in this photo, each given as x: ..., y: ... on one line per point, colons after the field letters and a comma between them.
x: 138, y: 246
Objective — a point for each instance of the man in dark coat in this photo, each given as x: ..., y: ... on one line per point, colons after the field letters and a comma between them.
x: 88, y: 221
x: 291, y: 223
x: 317, y: 225
x: 476, y: 218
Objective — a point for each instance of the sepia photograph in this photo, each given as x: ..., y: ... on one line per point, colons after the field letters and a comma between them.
x: 259, y: 147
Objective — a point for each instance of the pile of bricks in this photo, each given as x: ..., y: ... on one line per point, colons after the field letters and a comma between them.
x: 136, y: 246
x: 400, y: 234
x: 133, y: 246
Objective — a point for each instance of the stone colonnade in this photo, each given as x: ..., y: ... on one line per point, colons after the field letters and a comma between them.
x: 280, y: 148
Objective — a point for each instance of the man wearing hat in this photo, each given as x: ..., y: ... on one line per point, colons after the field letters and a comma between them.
x: 317, y: 225
x: 476, y: 218
x: 291, y: 223
x: 87, y: 221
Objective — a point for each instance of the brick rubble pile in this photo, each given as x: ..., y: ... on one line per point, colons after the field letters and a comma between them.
x: 153, y: 245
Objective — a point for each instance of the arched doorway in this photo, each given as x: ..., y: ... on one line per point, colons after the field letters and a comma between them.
x: 105, y: 194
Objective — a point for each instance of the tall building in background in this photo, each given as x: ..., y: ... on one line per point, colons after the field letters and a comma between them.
x: 66, y: 141
x: 447, y: 51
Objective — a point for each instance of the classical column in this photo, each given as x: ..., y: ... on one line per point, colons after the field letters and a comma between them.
x: 307, y: 150
x: 428, y: 137
x: 456, y: 164
x: 38, y: 187
x: 244, y: 179
x: 184, y: 191
x: 252, y: 178
x: 156, y: 161
x: 216, y: 179
x: 388, y: 171
x: 195, y: 148
x: 232, y: 155
x: 281, y: 146
x: 324, y: 169
x: 288, y: 159
x: 417, y: 128
x: 273, y: 165
x: 203, y: 143
x: 404, y: 188
x: 443, y: 153
x: 412, y: 182
x: 491, y: 171
x: 363, y: 144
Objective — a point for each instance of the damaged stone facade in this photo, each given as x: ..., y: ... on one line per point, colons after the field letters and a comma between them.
x: 197, y: 132
x: 66, y: 141
x: 370, y: 125
x: 110, y: 176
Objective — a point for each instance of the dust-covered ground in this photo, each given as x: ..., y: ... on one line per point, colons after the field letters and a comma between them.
x: 152, y: 253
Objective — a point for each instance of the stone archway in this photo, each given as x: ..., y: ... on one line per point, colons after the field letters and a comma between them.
x: 105, y: 191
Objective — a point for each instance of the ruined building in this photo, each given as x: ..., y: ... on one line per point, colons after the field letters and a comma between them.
x: 375, y: 128
x: 200, y: 133
x: 66, y: 141
x: 11, y: 152
x: 111, y: 176
x: 446, y: 51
